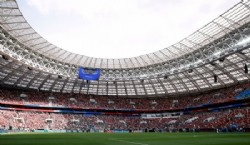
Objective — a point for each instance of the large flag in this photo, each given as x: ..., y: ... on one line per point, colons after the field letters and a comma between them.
x: 88, y: 74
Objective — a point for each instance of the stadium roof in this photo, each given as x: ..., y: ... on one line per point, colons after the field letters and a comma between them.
x: 218, y: 51
x: 16, y: 24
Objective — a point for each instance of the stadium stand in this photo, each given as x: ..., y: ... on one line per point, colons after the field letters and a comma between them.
x: 26, y: 119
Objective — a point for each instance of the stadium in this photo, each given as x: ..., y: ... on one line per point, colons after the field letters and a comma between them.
x: 196, y: 91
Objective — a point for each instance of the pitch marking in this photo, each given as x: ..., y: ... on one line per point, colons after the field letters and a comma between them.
x: 129, y: 142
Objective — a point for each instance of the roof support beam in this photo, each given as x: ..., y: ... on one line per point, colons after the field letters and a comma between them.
x: 81, y: 86
x: 64, y: 84
x: 10, y: 30
x: 126, y: 91
x: 158, y: 57
x: 201, y: 76
x: 48, y: 45
x: 237, y: 67
x: 52, y: 48
x: 97, y: 90
x: 191, y: 80
x: 64, y: 51
x: 40, y: 44
x: 89, y: 62
x: 212, y: 74
x: 74, y: 85
x: 151, y: 83
x: 17, y: 15
x: 12, y: 73
x: 143, y: 86
x: 25, y: 34
x: 116, y: 88
x: 9, y: 64
x: 107, y: 88
x: 134, y: 87
x: 88, y: 85
x: 137, y: 61
x: 73, y: 58
x: 132, y: 62
x: 226, y: 72
x: 4, y: 7
x: 9, y: 23
x: 172, y: 84
x: 185, y: 86
x: 43, y: 82
x: 33, y: 79
x: 22, y: 77
x: 151, y: 60
x: 78, y: 61
x: 67, y: 57
x: 53, y: 85
x: 162, y: 85
x: 32, y: 39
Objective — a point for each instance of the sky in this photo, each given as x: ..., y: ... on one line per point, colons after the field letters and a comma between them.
x: 119, y: 28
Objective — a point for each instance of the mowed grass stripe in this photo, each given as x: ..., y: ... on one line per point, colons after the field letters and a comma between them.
x: 126, y: 139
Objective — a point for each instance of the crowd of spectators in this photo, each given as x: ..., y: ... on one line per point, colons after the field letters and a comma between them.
x: 112, y: 102
x: 19, y: 120
x: 216, y: 120
x: 32, y: 120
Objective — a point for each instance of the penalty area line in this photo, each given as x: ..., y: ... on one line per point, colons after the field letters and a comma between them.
x: 128, y: 141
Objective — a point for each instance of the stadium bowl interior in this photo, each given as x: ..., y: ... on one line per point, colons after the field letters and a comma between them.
x: 200, y: 83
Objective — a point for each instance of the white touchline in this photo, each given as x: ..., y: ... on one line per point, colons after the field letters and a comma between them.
x: 129, y: 142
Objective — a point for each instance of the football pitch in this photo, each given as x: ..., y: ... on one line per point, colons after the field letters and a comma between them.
x: 126, y: 139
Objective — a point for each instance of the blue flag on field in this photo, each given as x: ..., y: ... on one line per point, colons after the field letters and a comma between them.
x: 88, y: 74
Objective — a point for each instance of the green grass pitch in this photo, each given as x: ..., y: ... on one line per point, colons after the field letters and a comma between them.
x: 126, y: 139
